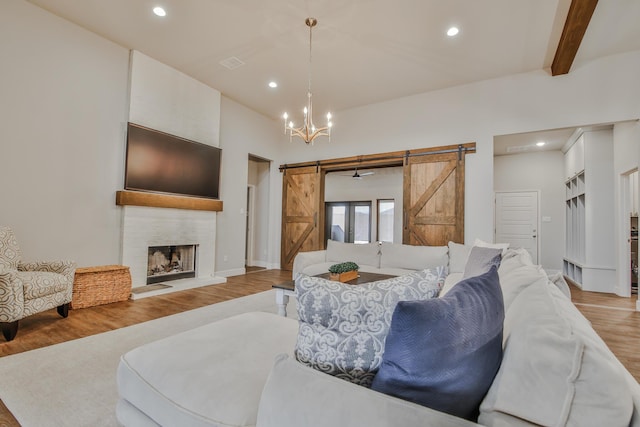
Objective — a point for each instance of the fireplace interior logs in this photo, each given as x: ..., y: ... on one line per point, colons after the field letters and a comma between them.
x: 171, y: 263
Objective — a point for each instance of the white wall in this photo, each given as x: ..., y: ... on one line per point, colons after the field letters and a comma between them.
x: 386, y: 183
x: 63, y: 114
x: 168, y: 100
x: 544, y: 172
x: 604, y: 90
x: 244, y: 132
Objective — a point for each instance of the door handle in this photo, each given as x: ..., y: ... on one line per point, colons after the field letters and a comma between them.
x: 534, y: 236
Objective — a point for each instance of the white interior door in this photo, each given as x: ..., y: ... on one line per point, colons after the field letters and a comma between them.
x: 516, y: 220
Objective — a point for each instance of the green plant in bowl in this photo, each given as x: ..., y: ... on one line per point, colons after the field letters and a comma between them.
x: 343, y: 267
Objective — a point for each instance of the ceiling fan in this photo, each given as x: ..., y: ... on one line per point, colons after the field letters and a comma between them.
x: 357, y: 175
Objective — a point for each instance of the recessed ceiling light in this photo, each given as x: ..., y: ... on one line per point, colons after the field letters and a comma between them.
x: 541, y: 144
x: 452, y: 31
x: 159, y: 11
x: 273, y: 85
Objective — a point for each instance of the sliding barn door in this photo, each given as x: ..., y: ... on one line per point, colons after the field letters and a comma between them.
x: 434, y: 199
x: 302, y: 213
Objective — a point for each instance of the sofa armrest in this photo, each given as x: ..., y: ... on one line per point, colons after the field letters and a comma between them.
x: 66, y: 268
x: 305, y: 259
x: 296, y: 395
x: 12, y: 295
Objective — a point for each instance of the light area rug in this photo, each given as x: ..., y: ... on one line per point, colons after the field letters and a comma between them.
x: 74, y: 383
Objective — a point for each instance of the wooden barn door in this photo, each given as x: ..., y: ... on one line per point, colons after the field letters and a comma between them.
x: 434, y: 199
x: 302, y: 212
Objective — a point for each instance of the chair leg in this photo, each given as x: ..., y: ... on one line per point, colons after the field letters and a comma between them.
x: 63, y: 310
x: 9, y: 329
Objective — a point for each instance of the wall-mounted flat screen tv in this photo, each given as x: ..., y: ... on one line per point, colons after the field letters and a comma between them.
x: 163, y: 163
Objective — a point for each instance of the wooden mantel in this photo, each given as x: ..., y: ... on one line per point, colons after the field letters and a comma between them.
x: 141, y: 198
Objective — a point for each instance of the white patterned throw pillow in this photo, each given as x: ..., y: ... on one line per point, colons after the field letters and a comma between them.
x: 343, y: 327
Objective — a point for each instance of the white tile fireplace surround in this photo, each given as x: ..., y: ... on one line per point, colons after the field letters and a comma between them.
x: 145, y: 227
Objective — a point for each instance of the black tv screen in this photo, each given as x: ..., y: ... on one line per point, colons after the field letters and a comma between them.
x: 163, y: 163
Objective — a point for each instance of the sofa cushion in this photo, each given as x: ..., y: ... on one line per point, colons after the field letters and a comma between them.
x: 443, y: 353
x: 39, y: 284
x: 320, y: 268
x: 361, y: 254
x: 412, y: 257
x: 481, y: 243
x: 517, y: 272
x: 343, y: 327
x: 458, y: 255
x: 556, y: 370
x: 558, y: 280
x: 212, y: 375
x: 449, y: 282
x: 298, y: 396
x: 391, y: 271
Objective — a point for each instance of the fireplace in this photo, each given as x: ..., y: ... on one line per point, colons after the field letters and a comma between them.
x: 171, y: 263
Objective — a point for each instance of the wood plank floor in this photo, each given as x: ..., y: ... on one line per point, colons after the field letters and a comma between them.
x: 614, y: 318
x: 49, y: 328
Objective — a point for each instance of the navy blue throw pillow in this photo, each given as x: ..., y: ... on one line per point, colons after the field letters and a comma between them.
x: 444, y: 353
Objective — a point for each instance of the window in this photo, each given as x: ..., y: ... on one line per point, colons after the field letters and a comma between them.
x: 348, y: 222
x: 385, y: 219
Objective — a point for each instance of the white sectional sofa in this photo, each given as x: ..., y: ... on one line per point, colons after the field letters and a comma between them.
x: 555, y: 368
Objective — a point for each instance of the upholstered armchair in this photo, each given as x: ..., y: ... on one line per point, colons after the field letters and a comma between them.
x: 29, y: 288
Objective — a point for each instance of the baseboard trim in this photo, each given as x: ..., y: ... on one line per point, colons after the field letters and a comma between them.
x: 232, y: 272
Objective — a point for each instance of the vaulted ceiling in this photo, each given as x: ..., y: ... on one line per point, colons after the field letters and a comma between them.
x: 364, y: 51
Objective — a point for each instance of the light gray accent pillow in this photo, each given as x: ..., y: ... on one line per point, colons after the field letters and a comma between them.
x: 361, y: 254
x: 412, y: 257
x: 343, y: 327
x: 480, y: 260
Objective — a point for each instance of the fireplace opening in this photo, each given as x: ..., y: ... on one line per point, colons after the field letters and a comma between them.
x: 171, y: 263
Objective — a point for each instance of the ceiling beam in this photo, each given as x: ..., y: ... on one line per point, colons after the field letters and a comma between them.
x: 575, y: 26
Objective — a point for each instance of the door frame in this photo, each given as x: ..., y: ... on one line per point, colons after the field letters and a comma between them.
x: 623, y: 275
x: 251, y: 225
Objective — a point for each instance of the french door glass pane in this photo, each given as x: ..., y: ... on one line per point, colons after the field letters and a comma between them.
x: 348, y: 222
x: 385, y: 220
x: 361, y: 224
x: 338, y: 223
